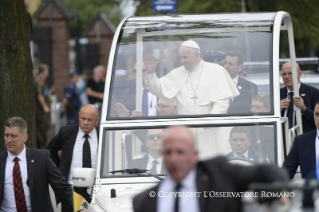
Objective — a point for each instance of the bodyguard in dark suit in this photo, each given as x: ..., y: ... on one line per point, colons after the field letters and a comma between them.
x: 25, y: 174
x: 186, y: 174
x: 240, y: 143
x: 234, y: 63
x: 79, y: 145
x: 304, y: 152
x: 153, y: 161
x: 307, y: 100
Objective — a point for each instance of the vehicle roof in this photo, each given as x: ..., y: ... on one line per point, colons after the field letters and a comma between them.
x: 210, y: 20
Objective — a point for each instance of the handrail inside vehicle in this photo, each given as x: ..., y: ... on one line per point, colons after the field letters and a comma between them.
x: 136, y: 171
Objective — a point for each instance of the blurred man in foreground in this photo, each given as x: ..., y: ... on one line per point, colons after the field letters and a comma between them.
x: 187, y: 174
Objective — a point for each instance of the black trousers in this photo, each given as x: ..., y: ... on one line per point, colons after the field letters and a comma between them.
x: 83, y: 192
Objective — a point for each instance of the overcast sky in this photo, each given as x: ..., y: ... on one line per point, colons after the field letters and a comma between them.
x: 128, y: 8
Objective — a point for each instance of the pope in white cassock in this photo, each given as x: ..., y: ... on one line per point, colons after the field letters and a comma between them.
x: 198, y: 87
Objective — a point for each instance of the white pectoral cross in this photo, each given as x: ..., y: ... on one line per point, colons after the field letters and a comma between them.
x: 194, y: 98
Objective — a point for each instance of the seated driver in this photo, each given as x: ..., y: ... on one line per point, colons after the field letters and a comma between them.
x: 152, y: 161
x: 240, y: 141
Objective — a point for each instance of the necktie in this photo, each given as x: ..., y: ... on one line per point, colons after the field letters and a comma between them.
x: 153, y: 169
x: 18, y: 187
x: 86, y: 158
x: 145, y: 102
x: 177, y: 189
x: 290, y: 111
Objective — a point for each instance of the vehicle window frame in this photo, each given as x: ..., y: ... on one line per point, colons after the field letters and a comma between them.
x: 105, y: 143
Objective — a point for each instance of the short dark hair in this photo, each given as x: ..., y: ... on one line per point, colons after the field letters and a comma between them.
x: 17, y: 122
x: 238, y: 54
x: 42, y: 67
x: 240, y: 130
x: 264, y: 98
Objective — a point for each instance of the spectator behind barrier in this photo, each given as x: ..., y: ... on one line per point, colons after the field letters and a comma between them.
x: 95, y: 85
x: 71, y: 100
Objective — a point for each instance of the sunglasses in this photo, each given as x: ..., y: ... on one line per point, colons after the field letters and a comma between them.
x: 152, y: 136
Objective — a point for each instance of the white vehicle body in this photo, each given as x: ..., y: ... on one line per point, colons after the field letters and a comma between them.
x: 118, y: 140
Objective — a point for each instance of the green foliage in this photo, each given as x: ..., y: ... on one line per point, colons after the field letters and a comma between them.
x: 88, y: 9
x: 304, y: 13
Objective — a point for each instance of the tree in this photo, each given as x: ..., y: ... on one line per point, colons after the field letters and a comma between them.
x: 304, y: 13
x: 87, y: 10
x: 17, y: 96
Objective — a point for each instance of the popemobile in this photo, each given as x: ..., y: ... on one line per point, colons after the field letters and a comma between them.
x: 146, y: 74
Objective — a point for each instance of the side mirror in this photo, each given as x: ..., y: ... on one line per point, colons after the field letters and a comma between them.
x: 83, y: 177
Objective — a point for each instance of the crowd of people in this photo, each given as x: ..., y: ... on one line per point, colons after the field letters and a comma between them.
x: 81, y: 89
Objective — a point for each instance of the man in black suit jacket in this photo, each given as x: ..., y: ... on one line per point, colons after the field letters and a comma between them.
x: 240, y: 142
x: 152, y: 161
x: 70, y: 139
x: 234, y: 63
x: 303, y: 152
x: 307, y: 100
x: 127, y: 104
x: 37, y: 171
x: 186, y: 174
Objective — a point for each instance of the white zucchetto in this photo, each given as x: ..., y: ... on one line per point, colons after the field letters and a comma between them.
x: 191, y: 44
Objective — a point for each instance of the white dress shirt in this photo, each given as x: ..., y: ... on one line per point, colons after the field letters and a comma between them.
x: 166, y: 203
x: 286, y: 110
x: 8, y: 201
x: 78, y: 151
x: 245, y: 154
x: 152, y: 102
x: 158, y: 166
x: 235, y: 80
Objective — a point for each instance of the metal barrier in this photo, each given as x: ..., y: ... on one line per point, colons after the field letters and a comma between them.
x: 59, y: 119
x: 99, y: 108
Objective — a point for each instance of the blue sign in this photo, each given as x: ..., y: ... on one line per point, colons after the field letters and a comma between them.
x: 164, y: 6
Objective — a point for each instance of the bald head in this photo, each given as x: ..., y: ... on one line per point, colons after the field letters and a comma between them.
x: 90, y: 108
x: 180, y: 155
x: 181, y: 133
x: 88, y: 118
x: 287, y: 65
x: 286, y: 73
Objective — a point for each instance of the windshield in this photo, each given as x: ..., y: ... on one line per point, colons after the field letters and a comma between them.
x: 139, y: 148
x: 174, y: 68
